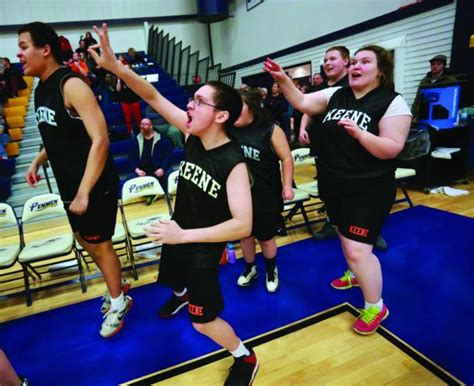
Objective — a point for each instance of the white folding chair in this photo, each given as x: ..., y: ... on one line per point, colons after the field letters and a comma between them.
x: 9, y: 223
x: 39, y: 209
x: 400, y: 175
x: 134, y: 191
x: 302, y: 197
x: 301, y: 157
x: 173, y: 179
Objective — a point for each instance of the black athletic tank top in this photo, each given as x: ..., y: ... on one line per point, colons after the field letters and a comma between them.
x: 201, y: 197
x: 66, y: 140
x: 341, y: 155
x: 255, y: 141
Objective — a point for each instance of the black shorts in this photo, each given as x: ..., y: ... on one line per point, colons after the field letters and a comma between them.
x: 358, y: 207
x: 98, y: 223
x: 177, y: 271
x: 266, y: 225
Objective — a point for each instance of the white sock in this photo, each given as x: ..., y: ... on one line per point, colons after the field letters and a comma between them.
x: 351, y: 274
x: 379, y: 305
x: 240, y: 351
x: 179, y: 294
x: 117, y: 303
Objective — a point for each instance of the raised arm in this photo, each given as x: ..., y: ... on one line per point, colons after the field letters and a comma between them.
x: 311, y: 104
x: 173, y: 114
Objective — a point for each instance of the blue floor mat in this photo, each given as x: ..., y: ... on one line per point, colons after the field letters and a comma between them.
x: 428, y: 288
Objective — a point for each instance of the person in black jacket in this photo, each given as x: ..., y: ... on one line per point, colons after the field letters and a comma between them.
x: 150, y: 153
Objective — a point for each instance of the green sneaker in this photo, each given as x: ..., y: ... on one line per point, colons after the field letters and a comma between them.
x: 106, y: 296
x: 114, y: 320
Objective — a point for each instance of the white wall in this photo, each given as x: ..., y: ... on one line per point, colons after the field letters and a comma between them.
x: 24, y: 11
x: 415, y: 41
x: 19, y: 12
x: 278, y: 24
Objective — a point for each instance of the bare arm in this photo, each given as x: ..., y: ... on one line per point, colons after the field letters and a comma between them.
x: 283, y: 152
x: 393, y: 132
x: 32, y: 176
x: 239, y: 226
x: 312, y: 103
x: 174, y: 115
x: 305, y: 122
x: 78, y: 97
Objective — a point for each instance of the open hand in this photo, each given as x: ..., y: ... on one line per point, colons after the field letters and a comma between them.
x: 274, y: 69
x: 351, y: 127
x: 165, y: 231
x: 106, y: 59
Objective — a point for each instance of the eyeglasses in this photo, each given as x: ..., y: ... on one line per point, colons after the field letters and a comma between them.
x: 199, y: 102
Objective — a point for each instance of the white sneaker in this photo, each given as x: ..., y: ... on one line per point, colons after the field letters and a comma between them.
x: 114, y: 319
x: 106, y: 296
x: 246, y: 277
x: 271, y: 281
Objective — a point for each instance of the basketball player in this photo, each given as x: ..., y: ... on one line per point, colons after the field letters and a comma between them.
x: 213, y: 205
x: 364, y: 128
x: 264, y: 145
x: 76, y: 144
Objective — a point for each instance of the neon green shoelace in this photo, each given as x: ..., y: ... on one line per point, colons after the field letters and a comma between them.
x: 346, y: 277
x: 368, y: 315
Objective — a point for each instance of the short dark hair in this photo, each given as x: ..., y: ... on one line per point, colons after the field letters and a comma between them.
x: 384, y: 63
x: 343, y: 50
x: 43, y: 34
x: 227, y: 99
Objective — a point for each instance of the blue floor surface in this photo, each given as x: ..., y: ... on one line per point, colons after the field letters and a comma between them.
x: 428, y: 287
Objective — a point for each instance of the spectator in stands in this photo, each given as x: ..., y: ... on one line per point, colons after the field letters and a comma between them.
x: 4, y: 139
x: 107, y: 92
x: 264, y: 92
x: 264, y: 145
x: 89, y: 40
x: 133, y: 57
x: 279, y: 108
x: 365, y: 127
x: 12, y: 77
x: 130, y: 103
x: 82, y: 47
x: 318, y: 80
x: 79, y: 65
x: 439, y: 74
x: 150, y: 153
x: 66, y: 49
x: 164, y: 128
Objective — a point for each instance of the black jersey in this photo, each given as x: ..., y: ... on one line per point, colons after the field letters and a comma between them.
x: 316, y: 120
x: 65, y: 138
x: 255, y: 141
x: 201, y: 197
x: 340, y: 154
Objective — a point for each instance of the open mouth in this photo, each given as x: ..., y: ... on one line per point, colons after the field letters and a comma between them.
x: 188, y: 122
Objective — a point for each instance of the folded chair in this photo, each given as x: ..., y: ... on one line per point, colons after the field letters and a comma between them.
x: 297, y: 205
x: 401, y: 174
x: 172, y: 187
x: 134, y: 192
x: 39, y: 212
x: 10, y: 243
